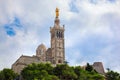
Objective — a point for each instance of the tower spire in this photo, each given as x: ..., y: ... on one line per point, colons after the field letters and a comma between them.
x: 57, y: 21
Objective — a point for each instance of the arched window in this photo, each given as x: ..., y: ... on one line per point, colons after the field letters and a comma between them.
x: 57, y: 34
x: 59, y: 61
x: 60, y: 34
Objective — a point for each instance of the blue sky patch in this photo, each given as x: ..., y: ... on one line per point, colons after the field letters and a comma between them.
x: 94, y: 1
x: 112, y: 1
x: 16, y: 22
x: 10, y: 27
x: 97, y: 1
x: 10, y: 31
x: 73, y: 7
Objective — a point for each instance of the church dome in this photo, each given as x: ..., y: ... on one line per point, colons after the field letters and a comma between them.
x: 41, y: 46
x: 40, y: 50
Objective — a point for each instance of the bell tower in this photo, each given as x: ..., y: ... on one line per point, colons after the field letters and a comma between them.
x: 57, y: 41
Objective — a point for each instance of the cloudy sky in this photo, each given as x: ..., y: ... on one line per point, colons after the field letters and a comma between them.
x: 92, y: 29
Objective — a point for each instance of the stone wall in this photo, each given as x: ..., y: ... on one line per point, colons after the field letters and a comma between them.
x: 23, y: 61
x: 98, y: 66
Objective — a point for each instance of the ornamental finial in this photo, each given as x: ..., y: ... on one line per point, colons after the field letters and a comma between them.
x: 57, y: 12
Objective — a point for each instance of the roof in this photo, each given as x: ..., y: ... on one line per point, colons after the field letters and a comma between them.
x: 41, y: 46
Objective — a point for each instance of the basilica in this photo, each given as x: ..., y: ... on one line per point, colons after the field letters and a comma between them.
x: 55, y: 54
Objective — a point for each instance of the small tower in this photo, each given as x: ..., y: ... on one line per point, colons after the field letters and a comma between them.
x: 57, y: 41
x: 98, y: 66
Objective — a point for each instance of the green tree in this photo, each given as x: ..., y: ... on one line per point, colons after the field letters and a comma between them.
x: 64, y: 72
x: 98, y: 77
x: 7, y: 74
x: 81, y: 73
x: 38, y: 72
x: 111, y: 75
x: 89, y: 67
x: 87, y: 75
x: 60, y: 72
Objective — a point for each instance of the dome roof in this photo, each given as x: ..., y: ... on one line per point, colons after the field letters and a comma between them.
x: 41, y: 46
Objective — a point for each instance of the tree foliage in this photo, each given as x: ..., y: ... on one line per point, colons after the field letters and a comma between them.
x: 38, y: 72
x: 7, y: 74
x: 64, y: 72
x: 60, y: 72
x: 45, y: 71
x: 111, y: 75
x: 89, y: 68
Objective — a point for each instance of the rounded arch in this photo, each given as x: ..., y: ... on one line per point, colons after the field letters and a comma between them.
x: 59, y: 61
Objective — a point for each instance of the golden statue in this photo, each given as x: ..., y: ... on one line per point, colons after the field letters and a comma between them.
x: 57, y: 12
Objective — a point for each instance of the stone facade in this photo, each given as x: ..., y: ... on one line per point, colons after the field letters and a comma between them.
x: 57, y: 43
x: 54, y: 55
x: 98, y: 66
x: 23, y: 61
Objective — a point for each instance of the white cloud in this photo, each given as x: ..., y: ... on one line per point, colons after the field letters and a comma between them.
x: 94, y: 22
x: 100, y: 8
x: 110, y: 57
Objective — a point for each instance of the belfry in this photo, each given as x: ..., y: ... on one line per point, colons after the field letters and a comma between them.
x: 57, y: 41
